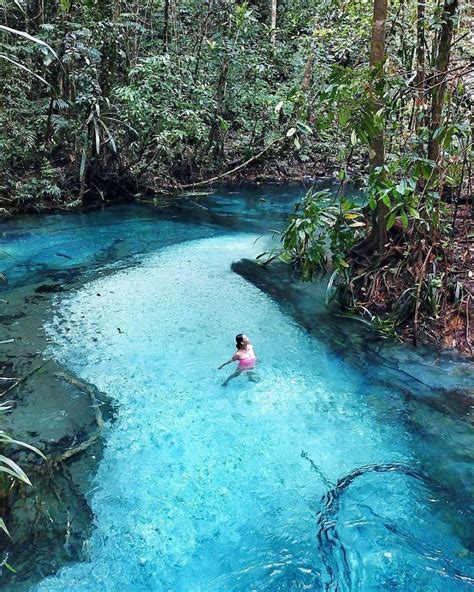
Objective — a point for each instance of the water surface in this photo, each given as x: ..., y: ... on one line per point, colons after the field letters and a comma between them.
x: 333, y: 472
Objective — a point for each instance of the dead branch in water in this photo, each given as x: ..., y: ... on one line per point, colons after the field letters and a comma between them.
x: 235, y: 169
x: 70, y: 452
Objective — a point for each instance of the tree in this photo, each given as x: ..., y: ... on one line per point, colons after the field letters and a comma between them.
x: 377, y: 147
x: 273, y: 21
x: 438, y: 80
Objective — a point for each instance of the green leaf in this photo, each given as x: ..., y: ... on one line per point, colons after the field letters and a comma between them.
x: 10, y: 440
x: 10, y: 568
x: 3, y: 526
x: 391, y: 220
x: 8, y: 471
x: 402, y: 187
x: 20, y: 7
x: 29, y: 37
x: 97, y: 137
x: 279, y: 107
x: 291, y: 132
x: 343, y: 117
x: 304, y: 127
x: 404, y: 217
x: 353, y: 138
x: 18, y: 472
x: 332, y: 288
x: 23, y: 67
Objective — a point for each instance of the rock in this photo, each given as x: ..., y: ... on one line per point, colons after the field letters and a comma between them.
x: 48, y: 288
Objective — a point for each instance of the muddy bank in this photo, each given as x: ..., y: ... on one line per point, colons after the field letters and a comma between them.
x: 66, y: 419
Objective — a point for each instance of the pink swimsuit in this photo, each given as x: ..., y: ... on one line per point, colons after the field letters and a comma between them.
x: 247, y: 363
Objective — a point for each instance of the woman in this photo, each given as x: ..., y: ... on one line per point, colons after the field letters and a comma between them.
x: 245, y: 355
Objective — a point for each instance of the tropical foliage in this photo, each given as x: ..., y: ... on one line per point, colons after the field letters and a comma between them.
x: 10, y: 471
x: 114, y: 98
x: 407, y: 113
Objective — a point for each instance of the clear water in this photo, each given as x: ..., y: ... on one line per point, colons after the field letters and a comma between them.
x: 58, y: 247
x: 325, y: 475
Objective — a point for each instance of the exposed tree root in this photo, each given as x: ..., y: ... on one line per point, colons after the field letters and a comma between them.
x: 76, y: 450
x: 86, y: 388
x: 419, y: 289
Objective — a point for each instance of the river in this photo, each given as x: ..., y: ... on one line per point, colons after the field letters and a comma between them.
x: 346, y: 467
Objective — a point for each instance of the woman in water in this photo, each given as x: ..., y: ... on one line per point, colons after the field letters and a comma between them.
x: 245, y: 355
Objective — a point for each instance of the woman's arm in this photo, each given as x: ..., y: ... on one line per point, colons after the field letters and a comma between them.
x: 234, y: 358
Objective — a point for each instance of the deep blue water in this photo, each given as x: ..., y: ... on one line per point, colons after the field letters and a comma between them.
x: 334, y: 472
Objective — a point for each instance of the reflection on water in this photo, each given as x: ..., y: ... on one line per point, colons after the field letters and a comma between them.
x: 344, y: 468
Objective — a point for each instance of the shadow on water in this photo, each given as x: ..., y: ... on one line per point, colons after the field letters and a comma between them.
x: 432, y: 399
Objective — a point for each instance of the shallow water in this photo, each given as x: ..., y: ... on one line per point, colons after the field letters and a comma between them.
x: 325, y: 475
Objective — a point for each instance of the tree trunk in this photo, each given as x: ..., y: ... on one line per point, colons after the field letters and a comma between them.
x: 166, y: 24
x: 216, y: 141
x: 439, y: 80
x: 307, y: 74
x: 273, y: 22
x: 202, y: 36
x: 420, y: 47
x: 377, y: 147
x: 419, y: 112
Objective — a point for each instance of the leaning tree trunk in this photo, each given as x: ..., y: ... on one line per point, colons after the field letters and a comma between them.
x: 377, y: 147
x: 438, y: 82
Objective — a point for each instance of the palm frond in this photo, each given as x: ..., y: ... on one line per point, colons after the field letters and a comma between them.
x: 29, y: 37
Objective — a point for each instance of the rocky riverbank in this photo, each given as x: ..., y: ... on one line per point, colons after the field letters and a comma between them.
x: 62, y: 416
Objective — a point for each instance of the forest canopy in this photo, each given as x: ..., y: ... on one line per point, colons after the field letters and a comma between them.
x: 154, y: 93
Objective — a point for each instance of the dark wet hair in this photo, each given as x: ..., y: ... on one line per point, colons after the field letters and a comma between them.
x: 239, y: 340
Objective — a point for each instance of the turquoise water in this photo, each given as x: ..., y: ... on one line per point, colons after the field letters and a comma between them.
x: 325, y: 475
x: 32, y: 248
